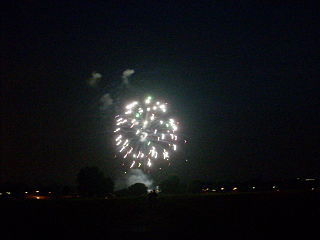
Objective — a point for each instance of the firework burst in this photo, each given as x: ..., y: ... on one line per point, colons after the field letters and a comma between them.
x: 144, y: 134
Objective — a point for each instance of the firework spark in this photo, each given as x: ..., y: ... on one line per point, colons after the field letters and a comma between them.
x: 144, y: 134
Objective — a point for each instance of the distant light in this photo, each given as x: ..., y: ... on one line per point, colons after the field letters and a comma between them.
x: 312, y: 189
x: 310, y: 179
x: 0, y: 193
x: 235, y: 188
x: 125, y: 172
x: 37, y: 191
x: 8, y: 193
x: 49, y: 192
x: 222, y: 188
x: 37, y: 197
x: 213, y: 190
x: 25, y: 192
x: 274, y: 187
x: 253, y: 187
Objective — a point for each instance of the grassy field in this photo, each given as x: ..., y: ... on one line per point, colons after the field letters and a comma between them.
x: 272, y: 215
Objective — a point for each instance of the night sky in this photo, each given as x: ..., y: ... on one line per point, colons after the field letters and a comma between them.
x: 241, y: 76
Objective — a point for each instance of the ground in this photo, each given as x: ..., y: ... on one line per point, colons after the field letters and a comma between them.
x: 268, y: 215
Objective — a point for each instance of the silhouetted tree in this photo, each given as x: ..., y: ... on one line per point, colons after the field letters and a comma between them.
x: 92, y: 182
x: 137, y: 189
x: 170, y: 185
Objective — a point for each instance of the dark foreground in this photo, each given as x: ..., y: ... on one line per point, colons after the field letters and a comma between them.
x: 277, y: 215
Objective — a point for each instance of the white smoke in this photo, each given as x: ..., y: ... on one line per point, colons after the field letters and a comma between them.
x: 138, y: 176
x: 132, y: 177
x: 125, y: 76
x: 95, y: 79
x: 106, y: 101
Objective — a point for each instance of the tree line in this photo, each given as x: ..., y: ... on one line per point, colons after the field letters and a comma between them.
x: 92, y: 182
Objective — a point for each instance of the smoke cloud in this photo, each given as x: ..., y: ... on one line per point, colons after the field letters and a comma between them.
x: 106, y: 101
x: 132, y: 177
x: 125, y: 76
x: 94, y: 80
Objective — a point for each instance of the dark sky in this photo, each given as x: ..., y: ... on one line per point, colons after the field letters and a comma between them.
x: 241, y: 75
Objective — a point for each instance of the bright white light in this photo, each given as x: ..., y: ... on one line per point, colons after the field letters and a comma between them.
x: 165, y: 154
x: 148, y: 100
x: 143, y: 136
x: 118, y: 137
x: 132, y: 164
x: 131, y: 105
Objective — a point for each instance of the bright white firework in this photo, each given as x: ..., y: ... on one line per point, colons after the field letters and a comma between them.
x: 148, y: 132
